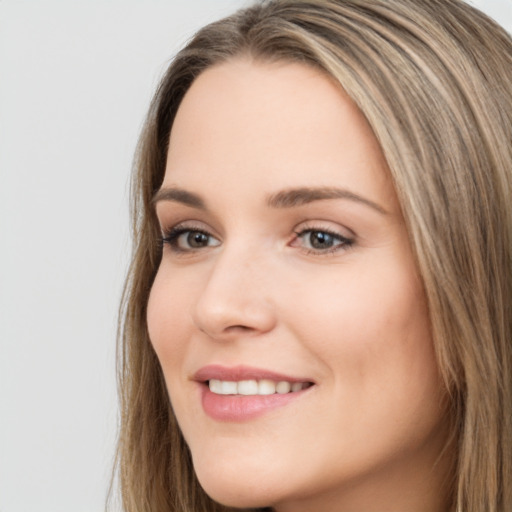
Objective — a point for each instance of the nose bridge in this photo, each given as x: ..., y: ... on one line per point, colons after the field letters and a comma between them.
x: 234, y: 297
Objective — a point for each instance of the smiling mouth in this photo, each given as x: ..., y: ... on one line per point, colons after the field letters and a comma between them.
x: 254, y: 387
x: 243, y: 393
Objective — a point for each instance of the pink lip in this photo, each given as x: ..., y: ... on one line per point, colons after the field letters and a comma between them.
x: 237, y: 408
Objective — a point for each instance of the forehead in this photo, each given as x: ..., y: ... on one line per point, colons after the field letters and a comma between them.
x: 284, y: 123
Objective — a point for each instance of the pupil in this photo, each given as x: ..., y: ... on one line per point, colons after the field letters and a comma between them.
x: 321, y: 240
x: 197, y: 239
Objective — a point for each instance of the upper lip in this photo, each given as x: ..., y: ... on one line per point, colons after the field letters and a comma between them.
x: 241, y: 372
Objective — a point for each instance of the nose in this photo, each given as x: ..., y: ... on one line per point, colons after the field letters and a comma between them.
x: 235, y: 300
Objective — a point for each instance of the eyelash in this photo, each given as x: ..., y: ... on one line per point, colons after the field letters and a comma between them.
x: 171, y: 238
x: 344, y: 243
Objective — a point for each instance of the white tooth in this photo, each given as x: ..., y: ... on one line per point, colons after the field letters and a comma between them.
x: 215, y: 386
x: 296, y: 386
x: 248, y: 387
x: 283, y: 387
x: 266, y: 387
x: 228, y: 387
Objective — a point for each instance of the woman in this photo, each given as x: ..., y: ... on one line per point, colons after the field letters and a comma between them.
x: 317, y: 315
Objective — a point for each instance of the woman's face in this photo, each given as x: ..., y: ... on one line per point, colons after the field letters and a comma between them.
x: 287, y: 312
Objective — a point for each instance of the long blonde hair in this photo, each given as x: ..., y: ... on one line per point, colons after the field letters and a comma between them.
x: 433, y: 78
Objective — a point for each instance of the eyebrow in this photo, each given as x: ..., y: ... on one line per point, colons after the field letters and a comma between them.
x: 289, y: 198
x: 299, y: 196
x: 179, y: 195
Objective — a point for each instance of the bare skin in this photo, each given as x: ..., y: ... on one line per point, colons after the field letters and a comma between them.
x: 288, y: 252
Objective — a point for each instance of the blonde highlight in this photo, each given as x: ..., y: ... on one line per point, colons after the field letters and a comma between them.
x: 432, y: 79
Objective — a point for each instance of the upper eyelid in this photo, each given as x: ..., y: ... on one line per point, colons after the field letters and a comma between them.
x: 329, y: 226
x: 196, y: 224
x: 331, y: 232
x: 325, y: 225
x: 169, y: 214
x: 187, y: 225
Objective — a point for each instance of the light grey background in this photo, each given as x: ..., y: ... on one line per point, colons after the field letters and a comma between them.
x: 75, y: 81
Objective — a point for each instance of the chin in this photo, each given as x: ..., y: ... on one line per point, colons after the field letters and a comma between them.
x: 249, y: 495
x: 238, y: 488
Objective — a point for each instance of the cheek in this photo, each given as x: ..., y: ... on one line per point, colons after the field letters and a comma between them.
x: 370, y: 327
x: 167, y: 309
x: 375, y: 345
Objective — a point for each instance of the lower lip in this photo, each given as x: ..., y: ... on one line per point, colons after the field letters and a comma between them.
x: 237, y: 408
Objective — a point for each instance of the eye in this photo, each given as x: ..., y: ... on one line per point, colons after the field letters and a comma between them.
x: 186, y: 239
x: 321, y: 241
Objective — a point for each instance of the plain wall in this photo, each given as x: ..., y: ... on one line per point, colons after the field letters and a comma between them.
x: 75, y: 81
